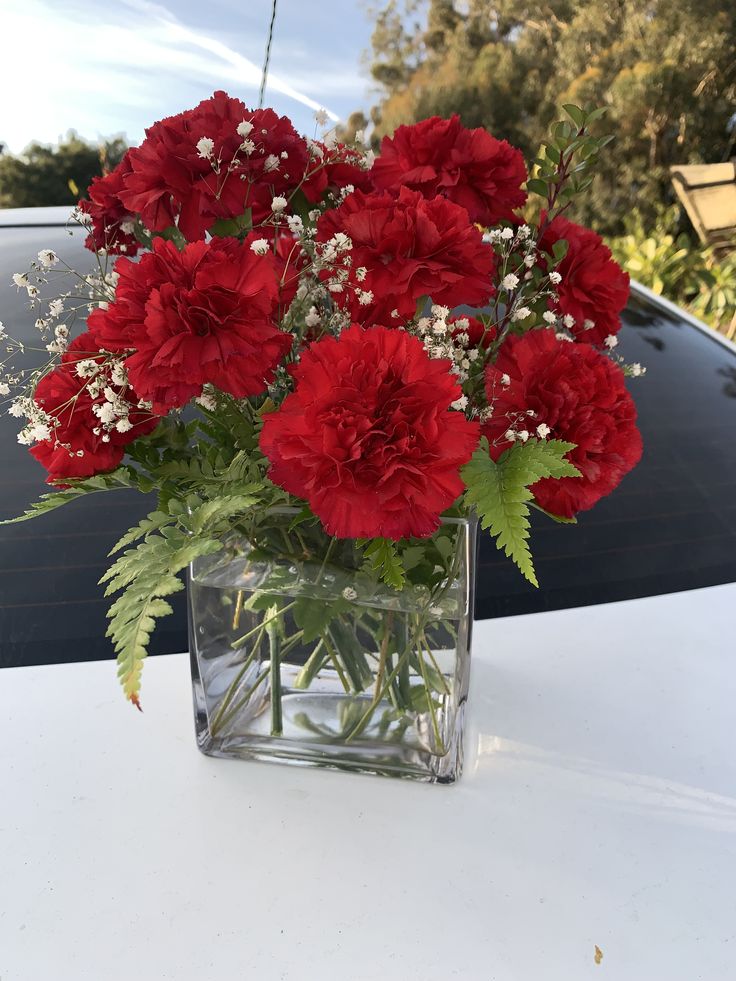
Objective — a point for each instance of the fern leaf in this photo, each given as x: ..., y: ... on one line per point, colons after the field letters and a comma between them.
x: 145, y: 575
x: 384, y: 561
x: 499, y: 492
x: 120, y: 479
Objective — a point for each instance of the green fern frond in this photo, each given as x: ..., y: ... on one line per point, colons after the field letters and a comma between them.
x: 499, y: 491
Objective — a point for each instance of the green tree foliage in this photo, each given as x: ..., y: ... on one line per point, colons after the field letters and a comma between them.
x: 664, y: 68
x: 52, y: 175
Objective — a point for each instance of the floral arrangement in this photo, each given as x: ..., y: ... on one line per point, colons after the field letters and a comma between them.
x: 272, y: 322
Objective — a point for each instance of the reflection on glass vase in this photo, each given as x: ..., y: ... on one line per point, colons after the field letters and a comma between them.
x: 300, y: 656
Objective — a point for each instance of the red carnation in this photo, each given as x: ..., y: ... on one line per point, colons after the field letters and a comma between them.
x: 576, y: 394
x: 368, y: 438
x: 408, y: 247
x: 468, y: 166
x: 81, y: 444
x: 109, y: 214
x: 594, y: 288
x: 192, y: 317
x: 332, y: 168
x: 175, y: 180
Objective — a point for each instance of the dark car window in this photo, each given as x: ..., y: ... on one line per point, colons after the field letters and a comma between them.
x: 670, y: 526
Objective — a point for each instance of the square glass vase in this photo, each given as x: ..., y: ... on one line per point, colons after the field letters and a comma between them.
x: 299, y: 656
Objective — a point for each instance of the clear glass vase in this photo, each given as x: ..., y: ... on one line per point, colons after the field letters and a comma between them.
x: 299, y: 656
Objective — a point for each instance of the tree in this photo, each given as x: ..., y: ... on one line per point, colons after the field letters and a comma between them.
x: 664, y: 68
x: 50, y: 175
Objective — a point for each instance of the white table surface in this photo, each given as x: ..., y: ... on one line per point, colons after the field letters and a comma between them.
x: 598, y: 806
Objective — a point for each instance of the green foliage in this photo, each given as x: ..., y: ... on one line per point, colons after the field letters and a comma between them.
x: 664, y: 70
x: 145, y: 575
x: 499, y: 491
x: 383, y: 560
x: 699, y: 279
x: 120, y: 479
x: 53, y: 175
x: 314, y: 616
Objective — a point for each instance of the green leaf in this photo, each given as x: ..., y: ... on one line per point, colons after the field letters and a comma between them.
x: 499, y: 491
x: 227, y: 227
x: 314, y: 616
x: 152, y: 522
x: 381, y: 558
x: 537, y: 186
x: 120, y: 479
x: 575, y: 113
x: 145, y: 575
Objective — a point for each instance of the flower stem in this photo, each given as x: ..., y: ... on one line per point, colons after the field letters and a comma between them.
x: 274, y: 644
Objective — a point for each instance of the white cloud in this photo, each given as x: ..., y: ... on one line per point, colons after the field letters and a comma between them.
x: 104, y: 69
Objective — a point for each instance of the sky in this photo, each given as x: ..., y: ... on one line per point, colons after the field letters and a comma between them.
x: 109, y: 68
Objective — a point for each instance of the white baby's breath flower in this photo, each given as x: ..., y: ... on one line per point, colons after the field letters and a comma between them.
x: 611, y: 341
x: 205, y: 148
x: 207, y: 400
x: 460, y: 404
x: 312, y: 318
x: 321, y: 117
x: 529, y: 260
x: 510, y: 282
x: 506, y: 234
x: 365, y: 297
x: 440, y: 312
x: 260, y: 246
x: 523, y: 435
x: 521, y: 313
x: 561, y: 336
x: 4, y: 388
x: 21, y: 280
x: 569, y: 321
x: 271, y: 163
x: 56, y: 308
x: 505, y: 380
x: 637, y: 370
x: 278, y: 204
x: 349, y: 593
x: 549, y: 317
x: 244, y: 129
x: 123, y: 425
x: 543, y: 430
x: 47, y: 258
x: 555, y: 277
x: 295, y: 223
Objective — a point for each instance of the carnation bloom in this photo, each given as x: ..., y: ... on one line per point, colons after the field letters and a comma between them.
x: 580, y: 396
x: 332, y: 168
x: 202, y: 315
x: 368, y: 438
x: 108, y: 213
x: 410, y: 247
x: 594, y: 288
x: 173, y: 182
x: 468, y: 166
x: 74, y: 448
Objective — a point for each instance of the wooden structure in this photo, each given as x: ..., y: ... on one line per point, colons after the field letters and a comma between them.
x: 708, y: 194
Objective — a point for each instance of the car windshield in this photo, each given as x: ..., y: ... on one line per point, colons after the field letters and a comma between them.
x: 670, y: 526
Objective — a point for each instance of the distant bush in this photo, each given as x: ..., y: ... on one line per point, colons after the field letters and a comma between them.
x: 672, y: 265
x: 51, y: 175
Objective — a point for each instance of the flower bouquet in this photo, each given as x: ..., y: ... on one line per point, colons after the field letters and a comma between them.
x: 329, y: 369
